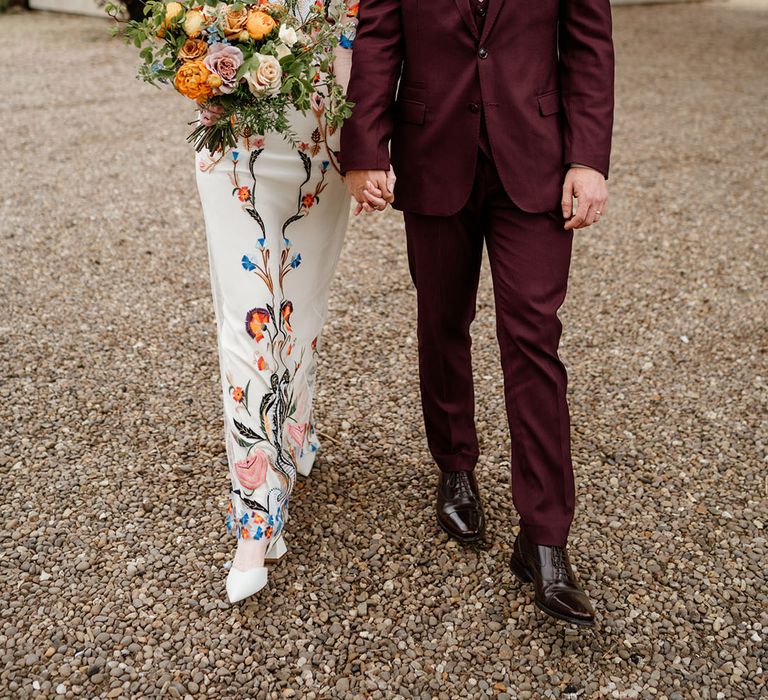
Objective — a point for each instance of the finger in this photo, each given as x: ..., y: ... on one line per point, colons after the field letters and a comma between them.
x: 591, y: 217
x: 391, y: 179
x: 367, y: 207
x: 577, y: 220
x: 381, y: 183
x: 376, y: 202
x: 567, y: 201
x: 372, y: 188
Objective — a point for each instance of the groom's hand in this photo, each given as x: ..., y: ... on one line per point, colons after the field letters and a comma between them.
x: 588, y: 186
x: 371, y: 189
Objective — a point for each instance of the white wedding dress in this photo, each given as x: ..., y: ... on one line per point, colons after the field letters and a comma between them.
x: 275, y: 218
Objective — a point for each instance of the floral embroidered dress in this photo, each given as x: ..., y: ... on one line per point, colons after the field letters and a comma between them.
x: 275, y: 217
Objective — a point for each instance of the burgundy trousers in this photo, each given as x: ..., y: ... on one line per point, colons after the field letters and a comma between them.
x: 529, y: 256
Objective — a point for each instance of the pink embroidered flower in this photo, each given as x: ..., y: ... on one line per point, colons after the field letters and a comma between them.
x: 317, y: 103
x: 296, y: 431
x: 224, y: 61
x: 252, y: 471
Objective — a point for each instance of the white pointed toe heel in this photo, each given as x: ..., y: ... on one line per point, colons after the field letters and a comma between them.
x: 242, y: 584
x: 277, y: 550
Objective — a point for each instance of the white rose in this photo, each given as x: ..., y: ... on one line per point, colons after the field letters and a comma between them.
x: 282, y: 51
x: 267, y: 77
x: 288, y: 35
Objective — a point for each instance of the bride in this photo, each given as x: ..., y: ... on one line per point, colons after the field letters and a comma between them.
x: 275, y: 217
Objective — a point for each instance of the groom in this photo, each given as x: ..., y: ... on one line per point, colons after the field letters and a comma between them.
x: 498, y: 113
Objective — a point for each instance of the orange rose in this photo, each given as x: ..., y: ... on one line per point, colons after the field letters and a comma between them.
x: 234, y: 23
x: 192, y: 81
x: 193, y: 49
x: 259, y: 24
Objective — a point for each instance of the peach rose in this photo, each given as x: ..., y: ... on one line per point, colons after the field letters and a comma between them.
x: 192, y: 81
x: 193, y: 50
x: 252, y: 471
x: 234, y: 22
x: 172, y: 9
x: 266, y: 79
x: 259, y: 24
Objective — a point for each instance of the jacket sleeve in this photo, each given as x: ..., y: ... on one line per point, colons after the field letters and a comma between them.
x: 586, y: 81
x: 376, y: 64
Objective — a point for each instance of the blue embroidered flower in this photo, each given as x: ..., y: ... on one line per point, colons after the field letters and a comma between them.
x: 244, y: 519
x: 345, y: 42
x: 262, y: 242
x: 258, y: 534
x: 324, y: 166
x: 247, y: 263
x: 296, y: 261
x: 235, y: 155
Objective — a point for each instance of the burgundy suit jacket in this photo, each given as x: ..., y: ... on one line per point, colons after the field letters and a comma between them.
x: 540, y: 74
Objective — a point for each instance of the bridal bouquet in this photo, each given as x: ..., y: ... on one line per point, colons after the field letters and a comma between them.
x: 246, y: 65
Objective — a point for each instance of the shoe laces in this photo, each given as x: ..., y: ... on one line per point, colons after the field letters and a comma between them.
x: 462, y: 484
x: 559, y: 564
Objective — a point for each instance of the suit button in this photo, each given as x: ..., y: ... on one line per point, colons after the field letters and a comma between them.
x: 481, y: 11
x: 474, y: 107
x: 482, y: 53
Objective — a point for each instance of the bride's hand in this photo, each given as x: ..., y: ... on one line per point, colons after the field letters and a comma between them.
x: 375, y: 197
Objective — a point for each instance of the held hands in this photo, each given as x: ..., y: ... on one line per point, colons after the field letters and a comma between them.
x: 371, y: 189
x: 588, y: 186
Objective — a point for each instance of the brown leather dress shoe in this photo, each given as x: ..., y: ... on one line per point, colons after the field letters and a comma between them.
x: 459, y: 509
x: 557, y: 592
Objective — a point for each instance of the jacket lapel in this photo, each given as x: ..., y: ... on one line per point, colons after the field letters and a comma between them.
x: 465, y: 10
x: 490, y: 20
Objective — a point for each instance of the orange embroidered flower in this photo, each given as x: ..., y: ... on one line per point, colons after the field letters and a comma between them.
x: 243, y: 193
x: 192, y: 81
x: 237, y: 394
x: 308, y: 201
x: 256, y: 321
x: 261, y: 363
x: 245, y: 533
x: 259, y: 24
x: 268, y: 532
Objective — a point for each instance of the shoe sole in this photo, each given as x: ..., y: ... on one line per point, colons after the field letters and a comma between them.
x: 522, y: 574
x: 464, y: 540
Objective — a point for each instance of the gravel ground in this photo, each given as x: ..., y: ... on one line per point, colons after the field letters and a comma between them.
x: 113, y: 547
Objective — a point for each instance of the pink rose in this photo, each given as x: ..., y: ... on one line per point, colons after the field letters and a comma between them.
x: 252, y: 471
x: 210, y: 114
x: 224, y: 61
x: 296, y: 431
